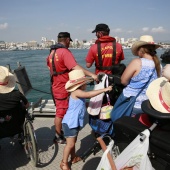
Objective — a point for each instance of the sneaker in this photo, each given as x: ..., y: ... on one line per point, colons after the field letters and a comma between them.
x: 60, y: 140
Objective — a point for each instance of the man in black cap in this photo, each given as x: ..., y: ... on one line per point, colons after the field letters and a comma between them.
x: 60, y: 62
x: 103, y: 51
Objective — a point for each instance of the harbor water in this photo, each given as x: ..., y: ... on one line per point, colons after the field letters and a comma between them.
x: 35, y: 64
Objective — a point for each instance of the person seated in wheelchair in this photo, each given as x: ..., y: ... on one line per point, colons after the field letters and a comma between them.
x: 13, y: 104
x: 158, y: 93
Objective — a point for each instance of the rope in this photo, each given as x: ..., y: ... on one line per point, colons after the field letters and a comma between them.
x: 33, y: 88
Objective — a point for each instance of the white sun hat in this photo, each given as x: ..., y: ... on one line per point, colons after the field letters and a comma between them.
x: 144, y: 40
x: 7, y: 80
x: 158, y: 93
x: 76, y: 79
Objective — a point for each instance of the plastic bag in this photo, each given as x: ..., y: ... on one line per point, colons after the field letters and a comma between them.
x: 95, y: 103
x: 135, y: 154
x: 104, y: 162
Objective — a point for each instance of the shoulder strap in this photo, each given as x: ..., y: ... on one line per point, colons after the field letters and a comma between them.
x: 114, y: 52
x: 55, y: 73
x: 101, y: 67
x: 99, y: 55
x: 53, y: 65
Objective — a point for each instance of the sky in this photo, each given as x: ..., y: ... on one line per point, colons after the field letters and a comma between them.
x: 28, y: 20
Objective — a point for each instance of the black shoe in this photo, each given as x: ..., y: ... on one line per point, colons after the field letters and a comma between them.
x: 60, y: 140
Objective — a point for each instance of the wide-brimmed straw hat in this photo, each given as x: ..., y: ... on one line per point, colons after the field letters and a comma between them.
x: 7, y: 80
x: 144, y: 40
x: 158, y: 93
x: 76, y: 79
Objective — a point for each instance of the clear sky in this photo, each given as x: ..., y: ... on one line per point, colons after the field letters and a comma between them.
x: 27, y: 20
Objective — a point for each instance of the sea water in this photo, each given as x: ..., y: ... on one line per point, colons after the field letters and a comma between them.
x: 35, y: 64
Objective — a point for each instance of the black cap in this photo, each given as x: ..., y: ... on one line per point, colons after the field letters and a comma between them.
x: 101, y: 27
x: 64, y: 35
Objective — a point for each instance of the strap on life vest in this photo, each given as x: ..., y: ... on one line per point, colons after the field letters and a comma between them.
x: 55, y: 47
x: 101, y: 67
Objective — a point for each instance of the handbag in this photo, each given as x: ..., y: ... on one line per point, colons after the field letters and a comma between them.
x: 95, y: 102
x: 95, y: 105
x: 135, y: 154
x: 124, y: 105
x: 105, y: 111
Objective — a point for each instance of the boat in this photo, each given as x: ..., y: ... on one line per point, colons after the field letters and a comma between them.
x: 166, y: 56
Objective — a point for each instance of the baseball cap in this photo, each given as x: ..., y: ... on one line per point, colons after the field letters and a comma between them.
x: 101, y: 27
x: 64, y: 35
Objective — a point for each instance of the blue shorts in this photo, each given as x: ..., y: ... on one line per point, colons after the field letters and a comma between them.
x: 69, y: 132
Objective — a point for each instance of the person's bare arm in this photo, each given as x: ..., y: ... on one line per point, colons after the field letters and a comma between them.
x: 131, y: 70
x: 88, y: 94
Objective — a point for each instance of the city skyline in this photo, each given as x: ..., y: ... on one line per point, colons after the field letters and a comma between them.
x: 23, y: 21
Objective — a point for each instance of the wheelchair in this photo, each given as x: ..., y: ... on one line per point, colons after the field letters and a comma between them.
x: 16, y: 124
x: 127, y: 128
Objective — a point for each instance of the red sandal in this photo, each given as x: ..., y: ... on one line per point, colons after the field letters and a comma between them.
x: 75, y: 159
x: 64, y: 165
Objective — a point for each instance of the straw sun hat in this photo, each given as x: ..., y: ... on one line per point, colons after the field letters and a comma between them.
x: 7, y: 80
x: 158, y: 93
x: 76, y: 79
x: 144, y: 40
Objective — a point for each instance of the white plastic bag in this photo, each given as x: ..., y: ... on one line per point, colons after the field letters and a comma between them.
x: 95, y: 103
x: 104, y: 162
x: 135, y: 154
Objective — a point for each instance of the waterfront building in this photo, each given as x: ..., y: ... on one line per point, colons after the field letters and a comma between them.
x: 32, y: 44
x: 2, y: 45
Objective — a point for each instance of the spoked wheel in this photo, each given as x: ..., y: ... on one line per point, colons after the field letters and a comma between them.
x: 21, y: 138
x: 31, y: 147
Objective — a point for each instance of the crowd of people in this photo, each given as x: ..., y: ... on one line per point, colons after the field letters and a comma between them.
x: 69, y: 79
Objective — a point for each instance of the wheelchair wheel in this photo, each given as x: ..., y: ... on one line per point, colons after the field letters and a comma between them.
x: 31, y: 147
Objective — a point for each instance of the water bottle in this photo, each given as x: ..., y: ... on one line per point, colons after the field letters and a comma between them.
x: 2, y: 119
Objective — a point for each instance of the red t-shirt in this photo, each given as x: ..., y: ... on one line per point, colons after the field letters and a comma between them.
x: 106, y: 52
x: 63, y: 60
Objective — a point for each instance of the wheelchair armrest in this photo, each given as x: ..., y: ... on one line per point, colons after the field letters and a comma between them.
x: 148, y: 109
x: 114, y: 79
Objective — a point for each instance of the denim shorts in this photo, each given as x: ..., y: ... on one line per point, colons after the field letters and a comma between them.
x: 69, y: 132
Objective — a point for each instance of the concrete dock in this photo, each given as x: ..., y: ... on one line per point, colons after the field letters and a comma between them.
x: 13, y: 157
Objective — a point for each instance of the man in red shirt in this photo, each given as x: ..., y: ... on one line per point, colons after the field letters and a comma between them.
x: 104, y: 48
x: 60, y: 61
